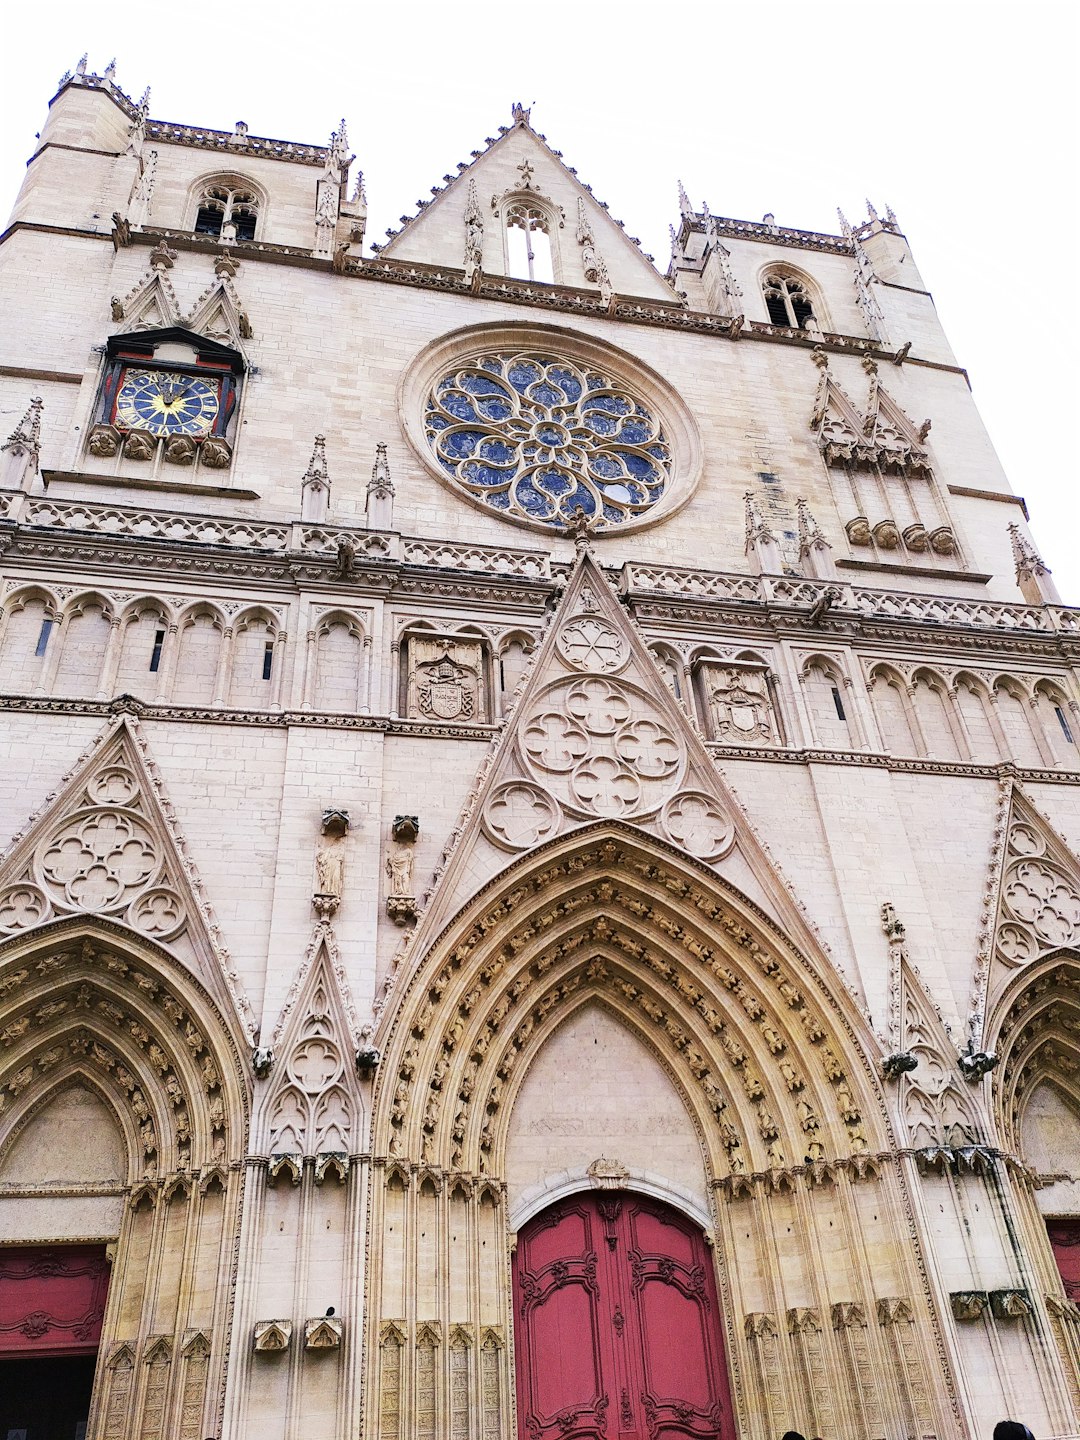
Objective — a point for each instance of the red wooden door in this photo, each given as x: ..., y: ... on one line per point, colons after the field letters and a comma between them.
x: 52, y: 1299
x: 616, y: 1325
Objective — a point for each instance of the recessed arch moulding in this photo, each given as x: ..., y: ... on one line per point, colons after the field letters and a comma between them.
x: 94, y: 1010
x: 780, y: 1106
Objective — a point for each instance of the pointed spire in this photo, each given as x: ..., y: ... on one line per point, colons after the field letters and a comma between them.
x: 762, y: 547
x: 380, y: 492
x: 1032, y: 573
x: 339, y: 143
x: 686, y: 210
x: 19, y: 455
x: 845, y: 223
x: 814, y: 549
x: 110, y: 72
x: 890, y: 217
x: 872, y: 213
x: 315, y: 485
x: 592, y: 262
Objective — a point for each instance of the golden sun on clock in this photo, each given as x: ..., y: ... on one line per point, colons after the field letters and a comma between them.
x: 167, y: 402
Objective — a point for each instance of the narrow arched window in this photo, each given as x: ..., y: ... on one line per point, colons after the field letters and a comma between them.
x: 528, y: 243
x: 788, y: 300
x: 228, y: 211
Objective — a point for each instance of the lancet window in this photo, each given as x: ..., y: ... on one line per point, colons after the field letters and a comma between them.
x: 227, y: 211
x: 528, y: 242
x: 788, y: 300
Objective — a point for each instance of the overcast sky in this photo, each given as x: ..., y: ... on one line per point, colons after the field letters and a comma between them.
x: 962, y: 116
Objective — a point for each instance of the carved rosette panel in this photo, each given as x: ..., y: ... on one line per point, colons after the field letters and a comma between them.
x: 1040, y: 901
x: 695, y: 822
x: 603, y: 748
x: 103, y: 858
x: 520, y: 814
x: 589, y: 643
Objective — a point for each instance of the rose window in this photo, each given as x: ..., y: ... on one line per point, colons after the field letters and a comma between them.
x: 535, y: 437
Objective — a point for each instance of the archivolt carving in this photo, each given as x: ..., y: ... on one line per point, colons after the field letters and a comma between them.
x: 147, y: 1041
x: 1036, y: 1034
x: 679, y: 961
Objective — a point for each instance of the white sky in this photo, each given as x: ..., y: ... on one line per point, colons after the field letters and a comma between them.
x: 960, y: 114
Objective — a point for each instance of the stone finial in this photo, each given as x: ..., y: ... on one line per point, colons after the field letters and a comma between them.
x: 580, y: 528
x: 20, y: 453
x: 161, y: 257
x: 519, y: 113
x: 686, y: 210
x: 815, y: 552
x: 315, y: 485
x: 1032, y: 573
x: 762, y: 547
x: 845, y: 223
x: 80, y: 68
x: 110, y: 72
x: 379, y: 507
x: 339, y: 144
x: 474, y: 238
x: 592, y: 262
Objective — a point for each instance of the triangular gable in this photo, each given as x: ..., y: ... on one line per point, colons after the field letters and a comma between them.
x: 150, y: 305
x: 519, y: 164
x: 311, y: 1103
x: 896, y: 439
x: 595, y: 733
x: 107, y: 844
x: 837, y: 422
x: 880, y: 434
x: 219, y: 314
x: 1033, y: 901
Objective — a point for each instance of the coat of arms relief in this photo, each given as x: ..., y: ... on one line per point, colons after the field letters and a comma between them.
x: 445, y: 680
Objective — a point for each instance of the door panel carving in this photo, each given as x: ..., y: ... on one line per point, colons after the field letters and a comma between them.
x: 617, y: 1325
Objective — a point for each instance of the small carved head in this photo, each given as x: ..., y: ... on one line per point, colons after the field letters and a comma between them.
x: 262, y: 1061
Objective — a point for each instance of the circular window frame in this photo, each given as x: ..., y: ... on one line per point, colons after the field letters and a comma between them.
x: 461, y: 346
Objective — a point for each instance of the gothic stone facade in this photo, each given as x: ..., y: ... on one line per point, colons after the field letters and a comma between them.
x: 649, y: 800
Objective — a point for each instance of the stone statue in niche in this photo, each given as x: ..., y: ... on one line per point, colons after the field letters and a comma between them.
x: 330, y: 863
x: 401, y: 896
x: 740, y: 706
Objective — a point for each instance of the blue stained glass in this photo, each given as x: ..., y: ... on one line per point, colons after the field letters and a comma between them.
x: 461, y: 443
x: 497, y: 451
x: 480, y: 385
x: 638, y: 466
x: 560, y: 438
x: 523, y: 375
x: 611, y: 403
x: 567, y: 382
x: 495, y: 409
x: 460, y: 406
x: 554, y: 482
x: 606, y: 467
x: 537, y: 505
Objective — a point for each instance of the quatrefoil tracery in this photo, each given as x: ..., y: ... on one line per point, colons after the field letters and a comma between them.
x: 602, y: 748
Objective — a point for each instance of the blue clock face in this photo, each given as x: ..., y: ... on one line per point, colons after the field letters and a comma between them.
x: 166, y: 402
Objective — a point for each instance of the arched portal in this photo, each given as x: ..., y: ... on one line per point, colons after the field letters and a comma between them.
x: 617, y: 1325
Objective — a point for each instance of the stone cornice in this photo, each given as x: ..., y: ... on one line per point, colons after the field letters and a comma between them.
x: 908, y: 765
x: 759, y: 231
x: 560, y: 299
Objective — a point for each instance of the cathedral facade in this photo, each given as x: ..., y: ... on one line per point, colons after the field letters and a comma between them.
x: 540, y: 803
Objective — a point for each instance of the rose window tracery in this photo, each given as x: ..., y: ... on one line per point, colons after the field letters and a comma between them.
x: 602, y: 748
x: 536, y: 436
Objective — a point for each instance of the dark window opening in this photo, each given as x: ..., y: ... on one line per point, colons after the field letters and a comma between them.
x: 777, y: 309
x: 244, y: 220
x: 155, y: 653
x: 47, y: 1397
x: 836, y: 700
x: 268, y: 659
x: 43, y: 636
x: 1065, y: 729
x: 209, y: 220
x: 802, y: 309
